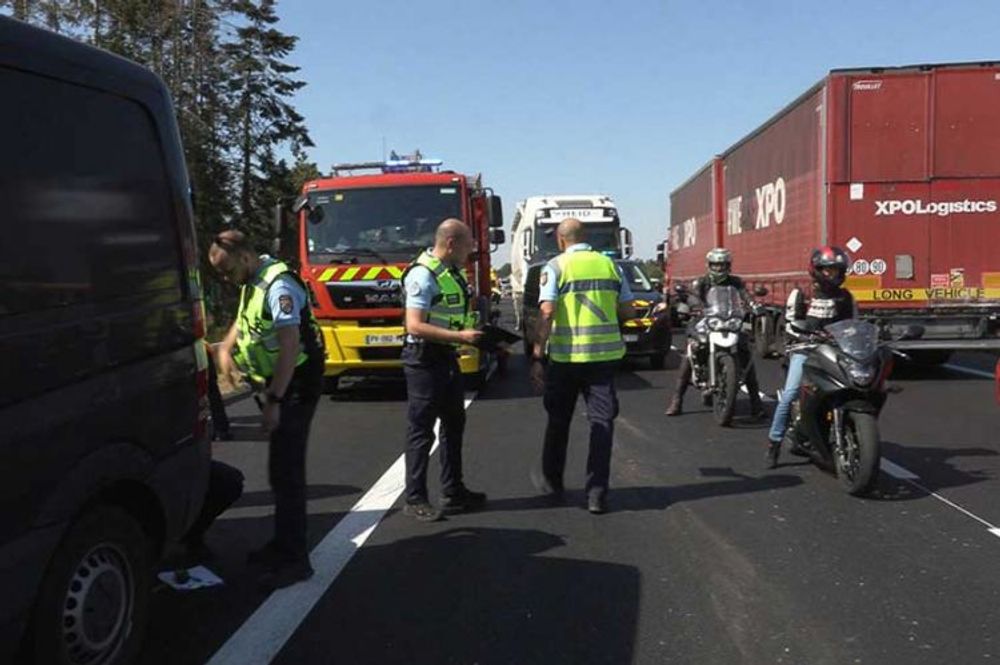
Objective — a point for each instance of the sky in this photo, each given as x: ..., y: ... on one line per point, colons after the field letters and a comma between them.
x: 628, y: 98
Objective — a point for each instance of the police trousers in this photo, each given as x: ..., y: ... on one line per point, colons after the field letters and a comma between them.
x: 563, y: 383
x: 434, y: 390
x: 287, y: 459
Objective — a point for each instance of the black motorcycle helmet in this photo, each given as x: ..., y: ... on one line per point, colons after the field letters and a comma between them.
x: 828, y: 257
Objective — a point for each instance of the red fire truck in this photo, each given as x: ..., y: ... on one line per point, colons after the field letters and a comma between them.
x: 359, y: 228
x: 900, y: 166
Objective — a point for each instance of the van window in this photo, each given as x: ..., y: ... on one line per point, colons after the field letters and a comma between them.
x: 85, y: 210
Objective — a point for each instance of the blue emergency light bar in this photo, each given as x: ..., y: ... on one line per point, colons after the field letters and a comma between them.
x: 392, y: 166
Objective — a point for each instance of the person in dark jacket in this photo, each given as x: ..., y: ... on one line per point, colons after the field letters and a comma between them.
x: 830, y: 303
x: 720, y: 263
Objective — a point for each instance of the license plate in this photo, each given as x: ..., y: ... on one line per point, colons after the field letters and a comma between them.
x: 383, y: 340
x: 630, y: 338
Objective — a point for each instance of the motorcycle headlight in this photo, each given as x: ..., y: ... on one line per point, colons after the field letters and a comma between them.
x: 862, y: 375
x: 734, y: 325
x: 715, y: 324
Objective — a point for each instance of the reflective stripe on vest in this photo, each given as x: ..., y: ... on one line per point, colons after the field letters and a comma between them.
x: 257, y: 340
x: 586, y: 326
x: 450, y: 310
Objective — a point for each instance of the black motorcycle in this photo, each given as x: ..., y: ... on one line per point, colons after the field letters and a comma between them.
x: 834, y: 419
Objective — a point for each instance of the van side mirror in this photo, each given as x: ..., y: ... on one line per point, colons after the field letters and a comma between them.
x: 496, y: 213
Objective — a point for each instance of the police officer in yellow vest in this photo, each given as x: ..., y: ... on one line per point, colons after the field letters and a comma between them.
x: 582, y: 297
x: 438, y: 320
x: 277, y: 345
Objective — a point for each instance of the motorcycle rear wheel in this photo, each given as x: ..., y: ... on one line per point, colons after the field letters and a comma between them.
x: 858, y: 464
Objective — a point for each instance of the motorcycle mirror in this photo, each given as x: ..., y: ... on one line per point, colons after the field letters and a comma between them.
x: 760, y: 291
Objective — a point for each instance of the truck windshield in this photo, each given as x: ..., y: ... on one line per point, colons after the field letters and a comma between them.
x: 602, y: 237
x: 378, y: 222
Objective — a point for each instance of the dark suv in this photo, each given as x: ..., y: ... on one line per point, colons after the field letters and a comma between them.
x: 104, y: 452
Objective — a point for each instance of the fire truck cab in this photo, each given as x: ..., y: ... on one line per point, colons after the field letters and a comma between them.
x: 357, y: 233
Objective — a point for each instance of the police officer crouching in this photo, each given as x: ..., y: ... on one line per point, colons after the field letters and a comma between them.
x: 277, y: 344
x: 582, y: 299
x: 438, y: 319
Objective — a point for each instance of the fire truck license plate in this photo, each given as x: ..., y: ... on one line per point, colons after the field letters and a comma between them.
x: 630, y: 338
x: 383, y: 340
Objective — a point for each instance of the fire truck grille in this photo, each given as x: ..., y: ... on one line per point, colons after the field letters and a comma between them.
x: 366, y: 295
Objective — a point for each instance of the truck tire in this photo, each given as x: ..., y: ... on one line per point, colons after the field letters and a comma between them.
x: 93, y: 602
x: 724, y: 401
x: 764, y: 335
x: 930, y: 358
x: 780, y: 342
x: 858, y: 465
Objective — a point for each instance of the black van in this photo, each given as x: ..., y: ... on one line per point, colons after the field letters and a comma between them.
x: 104, y: 448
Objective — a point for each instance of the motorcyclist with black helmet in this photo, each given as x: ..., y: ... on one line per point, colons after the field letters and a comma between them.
x: 719, y: 262
x: 830, y: 303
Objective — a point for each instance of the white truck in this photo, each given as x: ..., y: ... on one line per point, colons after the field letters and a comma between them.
x: 534, y: 238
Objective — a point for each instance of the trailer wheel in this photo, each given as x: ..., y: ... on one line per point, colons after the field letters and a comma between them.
x: 780, y: 338
x: 763, y: 335
x: 930, y: 358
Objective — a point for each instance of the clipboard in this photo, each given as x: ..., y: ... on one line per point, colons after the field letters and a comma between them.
x: 494, y: 336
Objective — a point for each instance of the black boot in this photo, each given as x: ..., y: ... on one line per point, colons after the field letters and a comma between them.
x: 676, y: 406
x: 771, y: 457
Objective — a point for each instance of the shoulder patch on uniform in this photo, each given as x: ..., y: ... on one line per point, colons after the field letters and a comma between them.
x: 544, y: 279
x: 413, y: 288
x: 286, y: 303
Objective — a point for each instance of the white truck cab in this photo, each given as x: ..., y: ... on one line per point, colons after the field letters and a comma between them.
x: 534, y: 237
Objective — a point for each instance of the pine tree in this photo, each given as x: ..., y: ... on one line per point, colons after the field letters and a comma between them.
x: 263, y: 121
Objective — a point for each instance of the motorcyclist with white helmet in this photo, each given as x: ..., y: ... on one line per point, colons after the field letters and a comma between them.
x: 719, y: 262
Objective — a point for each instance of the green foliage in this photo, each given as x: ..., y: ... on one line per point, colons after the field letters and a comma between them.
x: 224, y: 62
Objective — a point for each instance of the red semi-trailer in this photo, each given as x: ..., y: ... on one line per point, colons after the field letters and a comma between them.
x: 899, y: 166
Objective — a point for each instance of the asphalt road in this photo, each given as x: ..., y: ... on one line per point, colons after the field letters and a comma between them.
x: 705, y: 557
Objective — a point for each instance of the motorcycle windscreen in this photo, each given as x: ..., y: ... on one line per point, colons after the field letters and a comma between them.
x: 723, y: 302
x: 856, y: 338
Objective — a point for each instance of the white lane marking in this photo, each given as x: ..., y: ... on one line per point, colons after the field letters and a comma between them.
x: 897, y: 471
x: 265, y: 633
x: 970, y: 371
x: 901, y: 473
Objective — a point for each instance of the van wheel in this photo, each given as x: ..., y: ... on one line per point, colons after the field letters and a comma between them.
x: 94, y: 600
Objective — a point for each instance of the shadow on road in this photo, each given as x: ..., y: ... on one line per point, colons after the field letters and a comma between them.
x: 473, y: 595
x: 632, y: 499
x: 313, y: 492
x: 934, y: 468
x: 187, y: 628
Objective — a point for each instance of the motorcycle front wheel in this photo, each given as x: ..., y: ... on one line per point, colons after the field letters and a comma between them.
x: 858, y: 461
x: 726, y: 387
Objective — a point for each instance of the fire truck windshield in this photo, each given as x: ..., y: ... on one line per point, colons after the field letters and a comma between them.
x: 602, y: 237
x: 380, y: 221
